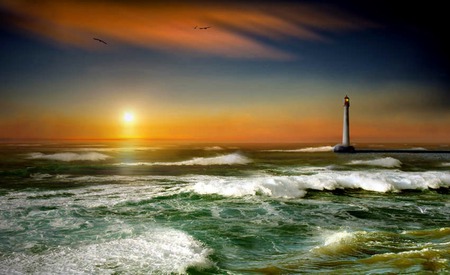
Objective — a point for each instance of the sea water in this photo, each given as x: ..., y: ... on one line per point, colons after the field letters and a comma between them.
x: 139, y: 208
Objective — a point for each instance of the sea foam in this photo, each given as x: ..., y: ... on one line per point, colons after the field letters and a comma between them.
x: 387, y: 162
x: 297, y: 186
x: 117, y: 149
x: 229, y: 159
x: 161, y: 251
x: 69, y: 156
x: 213, y: 148
x: 306, y: 150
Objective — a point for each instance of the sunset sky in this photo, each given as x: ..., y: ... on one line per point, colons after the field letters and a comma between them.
x: 264, y: 72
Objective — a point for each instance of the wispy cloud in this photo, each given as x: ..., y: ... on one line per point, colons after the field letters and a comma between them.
x: 238, y: 30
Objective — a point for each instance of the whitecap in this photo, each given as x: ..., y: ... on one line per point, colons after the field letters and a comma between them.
x: 116, y: 149
x: 162, y: 251
x: 235, y: 187
x: 69, y: 156
x: 418, y: 149
x: 305, y: 150
x: 229, y: 159
x: 387, y: 162
x: 40, y: 176
x: 297, y: 186
x: 338, y: 237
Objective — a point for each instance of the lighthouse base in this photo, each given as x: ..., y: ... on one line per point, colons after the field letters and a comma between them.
x: 343, y: 149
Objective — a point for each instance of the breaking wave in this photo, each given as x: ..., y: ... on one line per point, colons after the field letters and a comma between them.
x: 418, y: 149
x: 229, y: 159
x: 297, y: 186
x: 387, y: 162
x: 68, y: 156
x: 118, y: 149
x: 162, y: 251
x: 411, y: 253
x: 306, y: 150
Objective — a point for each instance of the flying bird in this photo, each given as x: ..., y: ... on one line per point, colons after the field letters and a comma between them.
x: 201, y: 28
x: 101, y: 41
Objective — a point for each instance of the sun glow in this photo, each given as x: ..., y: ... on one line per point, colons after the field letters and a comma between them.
x: 128, y: 117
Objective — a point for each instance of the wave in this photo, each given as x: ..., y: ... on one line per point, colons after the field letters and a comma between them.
x: 387, y: 162
x: 118, y: 149
x: 69, y: 156
x: 288, y: 187
x: 297, y: 186
x: 213, y: 148
x: 445, y: 164
x: 418, y: 149
x: 305, y: 150
x: 413, y: 252
x: 161, y: 251
x: 229, y: 159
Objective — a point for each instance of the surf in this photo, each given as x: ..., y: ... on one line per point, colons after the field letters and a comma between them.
x: 228, y: 159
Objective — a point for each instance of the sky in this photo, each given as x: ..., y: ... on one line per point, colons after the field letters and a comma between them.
x: 265, y: 71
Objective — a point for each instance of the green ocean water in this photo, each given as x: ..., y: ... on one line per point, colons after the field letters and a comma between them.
x: 140, y: 208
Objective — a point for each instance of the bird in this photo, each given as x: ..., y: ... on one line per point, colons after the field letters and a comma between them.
x: 99, y: 40
x: 201, y: 28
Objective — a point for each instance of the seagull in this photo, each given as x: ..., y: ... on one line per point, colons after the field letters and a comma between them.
x: 99, y: 40
x: 201, y: 28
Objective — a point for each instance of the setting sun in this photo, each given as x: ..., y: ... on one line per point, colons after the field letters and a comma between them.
x: 128, y: 117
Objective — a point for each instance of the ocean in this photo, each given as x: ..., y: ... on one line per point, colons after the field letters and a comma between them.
x: 131, y: 207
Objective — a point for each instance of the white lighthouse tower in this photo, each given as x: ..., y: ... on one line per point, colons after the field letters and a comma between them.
x: 345, y: 146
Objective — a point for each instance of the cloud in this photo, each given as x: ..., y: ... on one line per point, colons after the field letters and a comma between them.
x: 238, y: 30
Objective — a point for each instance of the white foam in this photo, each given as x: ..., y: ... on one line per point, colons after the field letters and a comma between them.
x: 445, y: 164
x: 145, y: 187
x: 161, y: 251
x: 418, y: 148
x: 229, y: 159
x: 387, y: 162
x: 236, y: 187
x: 118, y: 149
x: 306, y: 150
x: 337, y: 238
x: 297, y: 186
x: 40, y: 176
x: 69, y: 156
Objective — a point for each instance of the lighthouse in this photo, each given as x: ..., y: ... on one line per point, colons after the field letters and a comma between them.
x: 345, y: 146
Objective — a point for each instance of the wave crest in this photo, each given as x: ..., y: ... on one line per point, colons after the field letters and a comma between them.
x: 229, y: 159
x: 68, y: 156
x: 387, y: 162
x: 161, y: 251
x: 297, y: 186
x: 306, y: 150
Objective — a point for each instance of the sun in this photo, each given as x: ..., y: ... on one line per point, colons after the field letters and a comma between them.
x: 128, y: 117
